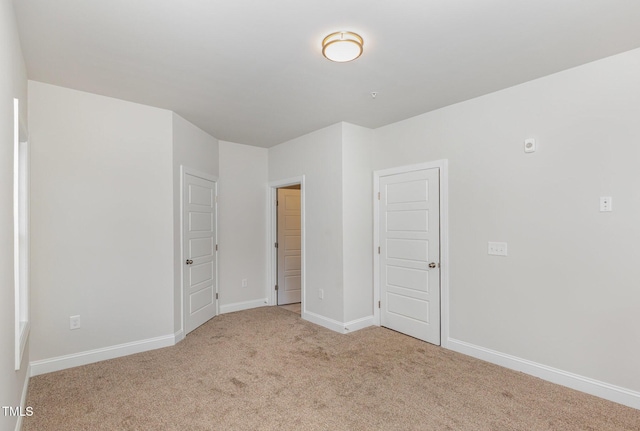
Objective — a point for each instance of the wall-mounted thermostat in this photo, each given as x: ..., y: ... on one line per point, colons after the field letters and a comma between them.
x: 529, y: 145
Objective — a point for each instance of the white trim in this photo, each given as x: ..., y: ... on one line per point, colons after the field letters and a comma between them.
x: 90, y: 356
x: 21, y: 250
x: 272, y: 215
x: 376, y: 241
x: 272, y: 197
x: 267, y: 241
x: 443, y: 166
x: 356, y: 325
x: 286, y: 182
x: 16, y: 230
x: 600, y: 389
x: 23, y: 397
x: 196, y: 173
x: 178, y: 336
x: 184, y: 170
x: 334, y: 325
x: 245, y: 305
x: 444, y: 253
x: 21, y: 341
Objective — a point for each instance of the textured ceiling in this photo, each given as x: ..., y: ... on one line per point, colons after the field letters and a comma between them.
x: 252, y: 72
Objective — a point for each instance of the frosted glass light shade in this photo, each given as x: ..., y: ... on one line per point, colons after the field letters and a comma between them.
x: 342, y: 46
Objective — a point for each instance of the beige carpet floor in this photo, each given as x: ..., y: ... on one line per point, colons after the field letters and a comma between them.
x: 294, y: 308
x: 266, y: 369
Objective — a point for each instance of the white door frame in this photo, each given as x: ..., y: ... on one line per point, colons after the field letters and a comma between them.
x: 21, y: 217
x: 185, y: 170
x: 442, y: 165
x: 272, y: 254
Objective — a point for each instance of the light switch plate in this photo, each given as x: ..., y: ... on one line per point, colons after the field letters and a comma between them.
x: 497, y: 248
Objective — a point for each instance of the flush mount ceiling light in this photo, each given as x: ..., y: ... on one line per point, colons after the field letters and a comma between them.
x: 342, y: 46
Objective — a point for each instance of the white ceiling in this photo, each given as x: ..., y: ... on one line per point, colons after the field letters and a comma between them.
x: 252, y: 72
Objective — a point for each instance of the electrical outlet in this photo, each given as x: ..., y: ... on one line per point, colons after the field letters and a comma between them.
x: 244, y: 282
x: 74, y: 322
x: 606, y: 204
x: 497, y: 248
x: 321, y: 293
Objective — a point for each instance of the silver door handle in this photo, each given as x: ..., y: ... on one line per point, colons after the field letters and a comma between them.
x: 189, y: 261
x: 434, y: 265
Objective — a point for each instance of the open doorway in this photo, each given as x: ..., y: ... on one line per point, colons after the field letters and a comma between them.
x: 288, y: 245
x: 288, y: 255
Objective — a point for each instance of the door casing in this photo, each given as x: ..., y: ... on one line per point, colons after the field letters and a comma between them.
x: 442, y: 165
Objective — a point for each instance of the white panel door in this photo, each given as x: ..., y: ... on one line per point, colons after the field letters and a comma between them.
x: 289, y: 246
x: 199, y: 251
x: 409, y: 218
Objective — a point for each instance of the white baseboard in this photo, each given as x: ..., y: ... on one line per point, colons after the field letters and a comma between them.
x: 246, y: 305
x: 334, y: 325
x: 600, y: 389
x: 23, y: 397
x: 83, y: 358
x: 356, y: 325
x: 178, y: 336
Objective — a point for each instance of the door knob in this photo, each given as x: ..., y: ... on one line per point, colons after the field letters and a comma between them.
x: 189, y: 261
x: 433, y: 265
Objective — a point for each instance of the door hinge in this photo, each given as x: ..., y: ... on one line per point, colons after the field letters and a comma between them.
x: 276, y: 245
x: 216, y: 295
x: 277, y: 203
x: 378, y: 249
x: 378, y: 195
x: 216, y: 247
x: 276, y: 287
x: 378, y: 304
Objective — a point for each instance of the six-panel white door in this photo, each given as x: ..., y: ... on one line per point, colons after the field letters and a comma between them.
x: 410, y: 253
x: 289, y: 246
x: 199, y: 284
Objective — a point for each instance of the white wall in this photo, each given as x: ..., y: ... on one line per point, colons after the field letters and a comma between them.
x: 242, y: 226
x: 357, y: 192
x: 13, y: 83
x: 102, y: 221
x: 567, y: 295
x: 104, y: 218
x: 196, y: 149
x: 318, y: 156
